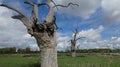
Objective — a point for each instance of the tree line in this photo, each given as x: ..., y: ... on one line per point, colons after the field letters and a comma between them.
x: 14, y: 50
x: 100, y: 50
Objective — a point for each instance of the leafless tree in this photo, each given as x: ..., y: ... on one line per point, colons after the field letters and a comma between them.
x: 73, y: 42
x: 44, y: 32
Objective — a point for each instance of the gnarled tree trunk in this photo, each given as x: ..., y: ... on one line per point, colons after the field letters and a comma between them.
x: 47, y: 44
x: 44, y: 32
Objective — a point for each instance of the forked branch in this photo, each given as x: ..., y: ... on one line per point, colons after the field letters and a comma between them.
x: 75, y: 34
x: 34, y: 11
x: 50, y: 15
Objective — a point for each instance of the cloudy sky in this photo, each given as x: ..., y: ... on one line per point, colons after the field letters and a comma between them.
x: 97, y: 20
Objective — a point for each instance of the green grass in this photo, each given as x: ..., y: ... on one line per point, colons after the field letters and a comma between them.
x: 63, y: 61
x: 17, y: 61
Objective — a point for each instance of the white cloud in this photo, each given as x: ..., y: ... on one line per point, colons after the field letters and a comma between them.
x: 109, y: 43
x: 34, y: 47
x: 62, y: 41
x: 91, y: 34
x: 93, y: 40
x: 111, y: 9
x: 85, y: 9
x: 12, y: 32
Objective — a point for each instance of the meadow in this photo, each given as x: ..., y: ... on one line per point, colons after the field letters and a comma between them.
x: 64, y: 60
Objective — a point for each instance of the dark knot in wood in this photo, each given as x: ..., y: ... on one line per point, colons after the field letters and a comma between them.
x: 44, y: 27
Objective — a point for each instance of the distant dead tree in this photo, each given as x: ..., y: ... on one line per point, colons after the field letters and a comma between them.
x: 73, y: 42
x: 44, y: 32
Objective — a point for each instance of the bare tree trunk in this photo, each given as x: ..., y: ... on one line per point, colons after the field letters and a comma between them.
x: 73, y: 43
x: 74, y: 54
x: 73, y: 51
x: 48, y: 49
x: 44, y: 32
x: 49, y: 57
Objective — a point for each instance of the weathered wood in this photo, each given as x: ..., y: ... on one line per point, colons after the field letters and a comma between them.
x: 48, y: 51
x: 50, y: 16
x: 34, y: 11
x: 46, y: 40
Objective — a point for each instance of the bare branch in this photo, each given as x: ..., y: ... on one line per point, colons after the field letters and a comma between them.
x: 34, y: 11
x: 50, y: 15
x: 80, y: 38
x: 66, y: 5
x: 9, y: 7
x: 75, y: 34
x: 54, y: 22
x: 40, y: 4
x: 30, y: 3
x: 53, y: 3
x: 26, y: 21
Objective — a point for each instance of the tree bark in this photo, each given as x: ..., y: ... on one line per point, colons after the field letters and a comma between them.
x: 44, y: 32
x: 73, y: 43
x: 74, y: 54
x: 73, y: 51
x: 49, y: 57
x: 47, y: 45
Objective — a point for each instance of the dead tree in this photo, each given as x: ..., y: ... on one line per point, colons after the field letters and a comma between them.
x: 73, y: 42
x: 44, y: 32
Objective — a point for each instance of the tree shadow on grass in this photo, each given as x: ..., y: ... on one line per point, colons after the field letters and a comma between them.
x: 37, y: 64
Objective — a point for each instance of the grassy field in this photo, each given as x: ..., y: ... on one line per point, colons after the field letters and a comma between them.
x: 26, y: 60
